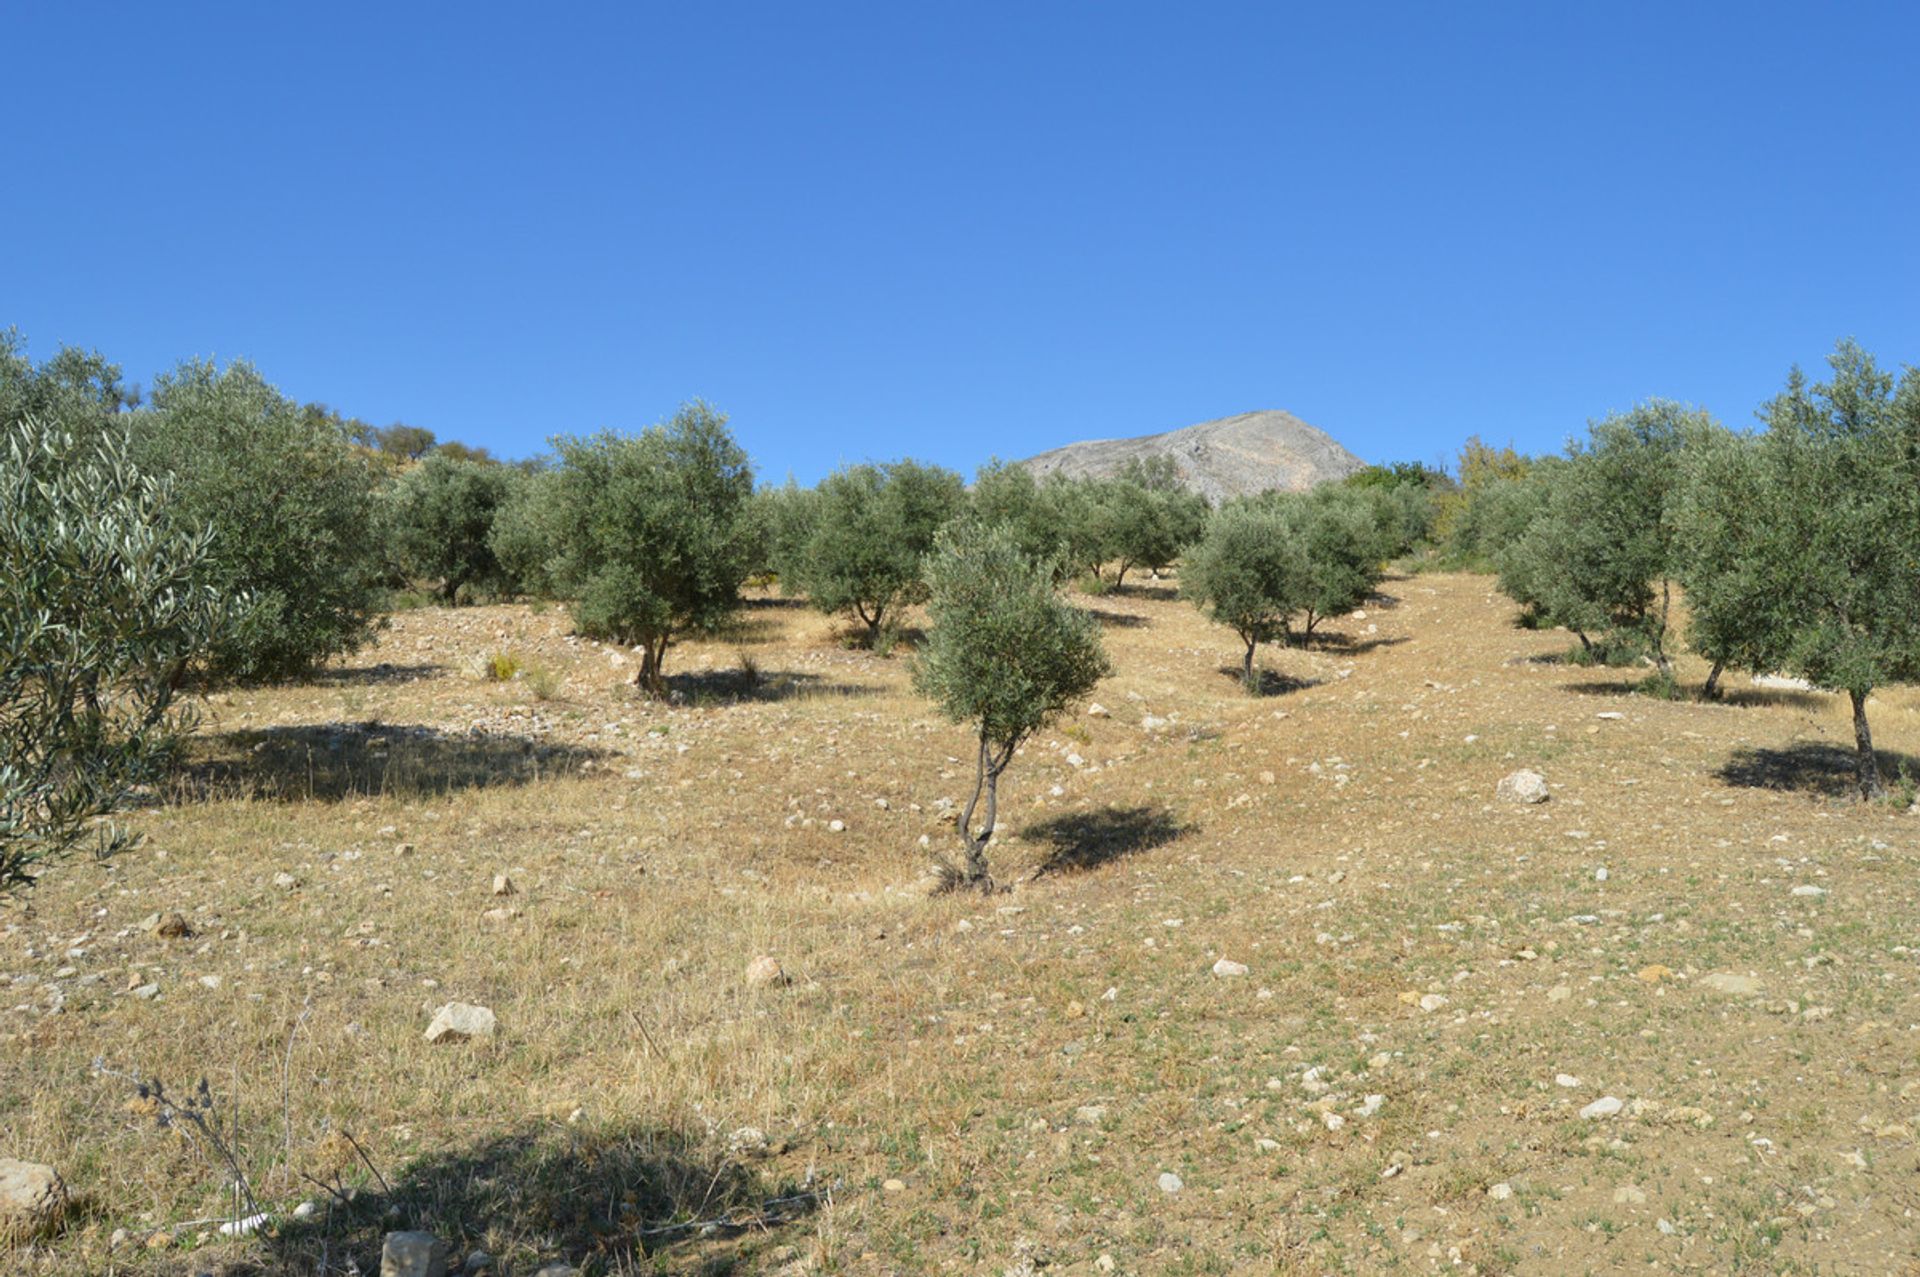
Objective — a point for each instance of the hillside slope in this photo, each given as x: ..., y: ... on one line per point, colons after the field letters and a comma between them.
x: 1231, y: 457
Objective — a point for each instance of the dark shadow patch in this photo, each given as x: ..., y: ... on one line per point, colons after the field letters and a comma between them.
x: 375, y: 675
x: 329, y: 762
x: 1810, y: 767
x: 1271, y: 682
x: 603, y: 1202
x: 738, y: 687
x: 1779, y: 697
x: 1080, y: 841
x: 1166, y: 591
x: 1337, y: 643
x: 1125, y: 620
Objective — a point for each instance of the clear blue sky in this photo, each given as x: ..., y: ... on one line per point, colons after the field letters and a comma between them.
x: 967, y: 229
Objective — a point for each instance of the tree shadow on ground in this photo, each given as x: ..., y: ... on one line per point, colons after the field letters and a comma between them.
x: 1271, y: 682
x: 375, y: 675
x: 739, y: 687
x: 1809, y: 767
x: 1125, y: 620
x: 604, y: 1201
x: 1166, y: 591
x: 330, y: 762
x: 1780, y: 697
x: 1080, y: 841
x: 1336, y: 643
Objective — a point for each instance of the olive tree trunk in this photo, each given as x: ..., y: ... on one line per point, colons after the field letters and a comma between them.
x: 1867, y: 767
x: 986, y: 782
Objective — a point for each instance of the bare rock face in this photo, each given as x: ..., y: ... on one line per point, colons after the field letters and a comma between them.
x: 1231, y: 457
x: 32, y: 1199
x: 1523, y: 787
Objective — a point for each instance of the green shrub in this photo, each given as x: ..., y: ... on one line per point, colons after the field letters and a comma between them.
x: 440, y: 517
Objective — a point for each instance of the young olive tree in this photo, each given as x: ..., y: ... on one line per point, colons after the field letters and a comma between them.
x: 1840, y: 464
x: 1148, y: 517
x: 867, y: 528
x: 1004, y: 655
x: 1342, y: 546
x: 1248, y: 573
x: 652, y: 534
x: 293, y: 508
x: 1600, y: 553
x: 441, y: 512
x: 105, y: 603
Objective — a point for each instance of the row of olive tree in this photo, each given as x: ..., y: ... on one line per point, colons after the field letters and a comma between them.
x: 1270, y: 561
x: 1797, y: 547
x: 855, y: 544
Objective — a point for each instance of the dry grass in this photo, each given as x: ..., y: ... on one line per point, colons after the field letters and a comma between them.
x: 1339, y: 837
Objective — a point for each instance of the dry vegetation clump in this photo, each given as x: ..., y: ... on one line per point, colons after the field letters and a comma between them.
x: 1436, y: 984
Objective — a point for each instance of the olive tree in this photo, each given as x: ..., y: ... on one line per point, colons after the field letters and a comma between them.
x: 1248, y: 573
x: 441, y: 513
x: 1722, y: 555
x: 867, y: 528
x: 105, y: 603
x: 1840, y: 476
x: 652, y: 534
x: 293, y: 508
x: 1004, y: 655
x: 1148, y: 517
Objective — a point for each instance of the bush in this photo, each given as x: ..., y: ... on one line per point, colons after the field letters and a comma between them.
x: 105, y: 603
x: 523, y: 537
x: 441, y: 514
x: 1004, y: 655
x: 651, y: 535
x: 857, y: 545
x: 292, y: 506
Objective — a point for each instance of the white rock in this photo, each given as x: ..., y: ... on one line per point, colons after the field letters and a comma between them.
x: 1738, y: 986
x: 1600, y: 874
x: 306, y: 1210
x: 1501, y: 1192
x: 1808, y: 889
x: 1333, y: 1121
x: 1170, y: 1183
x: 1097, y: 710
x: 1370, y: 1106
x: 1090, y: 1114
x: 33, y: 1197
x: 1523, y: 787
x: 1605, y: 1106
x: 1630, y: 1195
x: 1432, y: 1001
x: 837, y: 826
x: 413, y: 1255
x: 747, y: 1139
x: 459, y: 1022
x: 244, y: 1227
x: 1567, y: 1080
x: 502, y: 885
x: 1152, y: 722
x: 765, y: 970
x: 1227, y: 968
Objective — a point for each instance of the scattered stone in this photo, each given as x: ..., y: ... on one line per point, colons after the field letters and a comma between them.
x: 502, y: 885
x: 1105, y: 1263
x: 306, y: 1210
x: 1433, y: 1002
x: 146, y: 992
x: 1611, y: 715
x: 764, y: 971
x: 1226, y: 968
x: 1559, y: 993
x: 1523, y: 787
x: 169, y: 926
x: 459, y: 1022
x: 837, y: 826
x: 747, y: 1140
x: 1097, y: 710
x: 33, y: 1198
x: 1736, y: 986
x: 1654, y: 974
x: 1170, y: 1183
x: 413, y: 1255
x: 478, y: 1262
x: 1152, y: 722
x: 500, y: 916
x: 1600, y: 874
x: 1333, y: 1121
x: 1090, y: 1114
x: 557, y: 1269
x: 1501, y: 1192
x: 894, y: 1186
x: 1809, y: 889
x: 1567, y: 1080
x: 1605, y: 1106
x: 1630, y: 1195
x: 1370, y: 1106
x: 285, y: 881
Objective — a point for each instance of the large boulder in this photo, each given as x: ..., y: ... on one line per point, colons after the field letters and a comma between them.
x: 33, y: 1198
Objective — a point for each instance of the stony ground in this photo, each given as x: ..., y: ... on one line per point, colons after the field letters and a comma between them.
x: 1665, y: 1021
